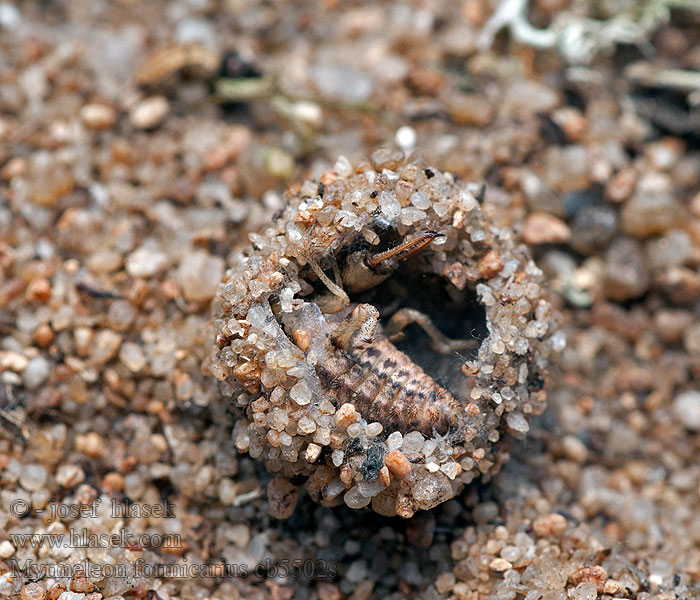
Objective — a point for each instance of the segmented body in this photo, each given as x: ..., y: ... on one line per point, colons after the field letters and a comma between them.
x: 385, y: 385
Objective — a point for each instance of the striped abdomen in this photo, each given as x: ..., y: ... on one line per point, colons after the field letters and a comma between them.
x: 385, y: 385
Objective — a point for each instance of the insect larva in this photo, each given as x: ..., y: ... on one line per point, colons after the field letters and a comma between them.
x: 310, y: 335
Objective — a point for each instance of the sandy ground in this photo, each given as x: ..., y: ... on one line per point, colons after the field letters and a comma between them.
x: 140, y: 142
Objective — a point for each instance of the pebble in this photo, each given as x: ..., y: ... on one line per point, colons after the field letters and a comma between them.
x: 199, y: 275
x: 33, y: 477
x: 36, y: 372
x: 131, y: 355
x: 90, y: 443
x: 6, y: 549
x: 146, y: 262
x: 239, y: 535
x: 470, y: 109
x: 282, y: 498
x: 69, y: 475
x: 394, y: 440
x: 500, y: 565
x: 13, y: 361
x: 686, y: 406
x: 574, y: 448
x: 543, y: 228
x: 406, y: 138
x: 105, y: 346
x: 490, y: 264
x: 10, y: 17
x: 346, y: 415
x: 626, y: 274
x: 593, y: 228
x: 445, y: 582
x: 652, y: 210
x: 398, y: 464
x: 551, y: 524
x: 98, y: 116
x: 413, y: 442
x: 149, y: 112
x: 585, y: 591
x: 71, y: 596
x: 34, y: 591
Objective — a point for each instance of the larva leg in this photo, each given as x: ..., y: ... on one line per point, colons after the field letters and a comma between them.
x: 339, y: 298
x: 442, y: 344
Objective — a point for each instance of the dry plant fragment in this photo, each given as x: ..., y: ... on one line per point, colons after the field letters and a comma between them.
x: 382, y: 336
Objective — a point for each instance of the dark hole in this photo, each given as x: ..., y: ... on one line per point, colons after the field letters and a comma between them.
x: 457, y: 314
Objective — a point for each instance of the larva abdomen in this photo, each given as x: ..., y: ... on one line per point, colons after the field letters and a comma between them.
x: 385, y: 385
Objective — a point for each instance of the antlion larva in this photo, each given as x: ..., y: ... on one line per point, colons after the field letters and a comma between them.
x: 382, y: 335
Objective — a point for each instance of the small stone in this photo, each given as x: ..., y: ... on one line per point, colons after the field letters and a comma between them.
x: 80, y: 584
x: 445, y: 582
x: 500, y: 565
x: 71, y: 596
x: 146, y: 261
x: 621, y: 186
x: 593, y: 229
x: 595, y: 574
x: 543, y: 228
x: 15, y: 167
x: 626, y: 272
x: 282, y: 498
x: 551, y: 524
x: 300, y: 393
x: 355, y: 499
x: 33, y: 591
x: 585, y: 591
x: 612, y: 587
x: 413, y: 442
x: 43, y: 335
x: 313, y: 451
x: 395, y: 440
x: 149, y: 112
x: 652, y: 210
x: 490, y: 264
x: 385, y: 476
x: 398, y: 464
x: 13, y: 361
x: 373, y: 429
x: 199, y: 275
x: 686, y: 406
x: 38, y: 290
x: 406, y: 138
x: 33, y: 477
x: 239, y: 535
x: 98, y: 116
x: 302, y: 339
x: 451, y: 469
x: 574, y: 448
x: 90, y: 443
x: 346, y: 415
x: 6, y: 551
x: 278, y: 163
x: 470, y: 109
x: 132, y: 356
x: 111, y: 482
x: 37, y: 372
x: 105, y: 347
x: 328, y: 591
x: 69, y: 476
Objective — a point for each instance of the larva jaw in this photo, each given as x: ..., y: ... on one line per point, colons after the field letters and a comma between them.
x: 364, y: 270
